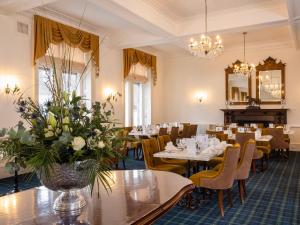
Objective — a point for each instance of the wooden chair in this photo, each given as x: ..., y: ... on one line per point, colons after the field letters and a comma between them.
x: 162, y: 141
x: 192, y: 130
x: 174, y: 134
x: 243, y: 168
x: 222, y: 137
x: 150, y: 146
x: 221, y: 179
x: 277, y: 142
x: 185, y: 131
x: 163, y: 131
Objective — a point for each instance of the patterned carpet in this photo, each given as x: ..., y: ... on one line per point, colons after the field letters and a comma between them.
x: 273, y: 198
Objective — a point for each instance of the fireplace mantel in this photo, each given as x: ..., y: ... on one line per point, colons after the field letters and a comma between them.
x: 246, y: 116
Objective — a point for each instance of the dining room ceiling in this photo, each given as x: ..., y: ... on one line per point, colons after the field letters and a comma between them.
x: 167, y: 25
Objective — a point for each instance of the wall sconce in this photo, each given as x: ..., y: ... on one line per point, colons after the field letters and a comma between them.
x: 9, y: 84
x: 109, y: 92
x: 12, y: 90
x: 200, y: 96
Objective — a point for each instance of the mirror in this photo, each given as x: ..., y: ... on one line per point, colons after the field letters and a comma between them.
x: 270, y: 78
x: 238, y: 86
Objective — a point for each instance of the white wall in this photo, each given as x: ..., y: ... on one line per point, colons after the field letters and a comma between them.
x: 15, y: 64
x: 184, y: 76
x: 16, y: 52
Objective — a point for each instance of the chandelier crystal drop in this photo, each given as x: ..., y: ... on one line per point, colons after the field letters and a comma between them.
x: 244, y: 68
x: 204, y: 46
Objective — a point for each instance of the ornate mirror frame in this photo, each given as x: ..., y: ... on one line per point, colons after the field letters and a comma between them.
x: 271, y: 64
x: 229, y: 70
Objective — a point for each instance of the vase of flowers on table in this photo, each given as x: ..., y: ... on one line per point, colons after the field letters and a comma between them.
x: 68, y: 145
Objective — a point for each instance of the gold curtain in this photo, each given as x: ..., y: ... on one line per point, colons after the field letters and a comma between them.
x: 133, y: 56
x: 47, y: 31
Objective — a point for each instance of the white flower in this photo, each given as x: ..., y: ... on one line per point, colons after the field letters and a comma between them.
x: 98, y: 132
x: 78, y: 143
x: 49, y: 134
x: 90, y: 141
x: 101, y: 144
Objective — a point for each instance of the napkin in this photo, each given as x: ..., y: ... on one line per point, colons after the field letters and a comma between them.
x: 170, y: 147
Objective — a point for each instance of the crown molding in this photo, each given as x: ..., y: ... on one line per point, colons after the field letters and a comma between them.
x: 63, y: 18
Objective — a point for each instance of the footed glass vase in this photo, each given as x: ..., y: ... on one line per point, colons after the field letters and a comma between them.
x: 68, y: 179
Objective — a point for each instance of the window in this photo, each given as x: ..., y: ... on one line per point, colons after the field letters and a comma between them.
x: 70, y: 82
x: 138, y: 99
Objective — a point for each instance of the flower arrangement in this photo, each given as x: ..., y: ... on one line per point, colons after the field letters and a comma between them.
x: 63, y: 131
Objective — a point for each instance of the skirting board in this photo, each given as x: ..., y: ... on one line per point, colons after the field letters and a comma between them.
x: 295, y: 147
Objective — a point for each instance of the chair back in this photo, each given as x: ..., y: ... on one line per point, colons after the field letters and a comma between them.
x: 260, y: 125
x: 162, y: 141
x: 242, y: 138
x: 150, y: 147
x: 163, y: 131
x: 227, y: 171
x: 185, y: 131
x: 192, y: 130
x: 174, y: 134
x: 222, y: 137
x: 244, y: 164
x: 277, y: 142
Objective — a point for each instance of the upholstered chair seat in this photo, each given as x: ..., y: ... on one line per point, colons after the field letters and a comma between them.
x: 221, y: 179
x: 150, y: 147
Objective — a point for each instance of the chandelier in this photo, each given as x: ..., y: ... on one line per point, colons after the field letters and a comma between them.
x: 204, y: 46
x: 244, y: 67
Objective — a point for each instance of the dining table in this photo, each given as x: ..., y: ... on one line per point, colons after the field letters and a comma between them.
x: 263, y: 138
x: 192, y: 154
x: 136, y: 197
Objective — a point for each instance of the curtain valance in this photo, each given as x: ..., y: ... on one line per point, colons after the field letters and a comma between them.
x: 133, y: 56
x: 47, y: 31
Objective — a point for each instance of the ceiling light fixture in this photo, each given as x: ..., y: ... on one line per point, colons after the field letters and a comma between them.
x: 203, y: 46
x: 244, y: 68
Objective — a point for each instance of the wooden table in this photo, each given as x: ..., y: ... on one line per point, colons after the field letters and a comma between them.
x: 137, y: 197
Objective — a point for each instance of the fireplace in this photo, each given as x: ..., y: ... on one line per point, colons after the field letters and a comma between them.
x: 247, y: 116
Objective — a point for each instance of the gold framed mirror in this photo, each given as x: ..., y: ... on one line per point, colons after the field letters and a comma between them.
x: 238, y: 86
x: 270, y: 81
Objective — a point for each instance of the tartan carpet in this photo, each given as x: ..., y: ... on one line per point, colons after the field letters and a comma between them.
x: 273, y: 198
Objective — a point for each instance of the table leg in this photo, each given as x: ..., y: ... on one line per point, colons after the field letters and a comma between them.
x: 189, y: 168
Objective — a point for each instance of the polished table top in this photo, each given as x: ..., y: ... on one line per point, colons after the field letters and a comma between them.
x: 137, y: 197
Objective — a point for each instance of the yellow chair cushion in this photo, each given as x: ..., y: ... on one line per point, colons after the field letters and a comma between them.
x: 196, y: 178
x: 265, y: 149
